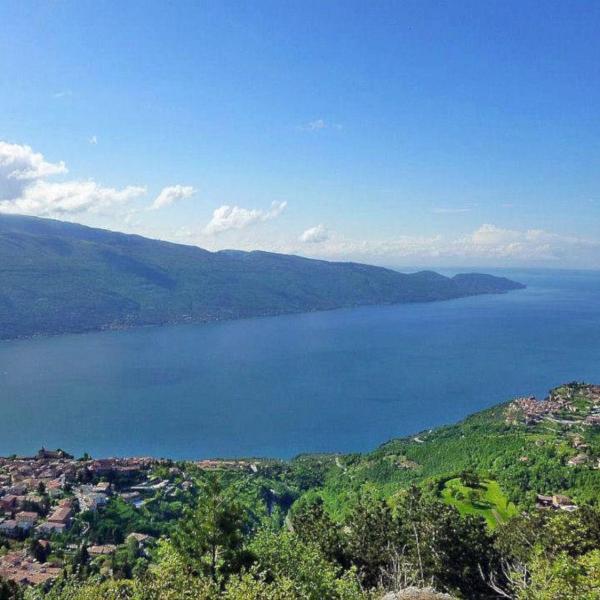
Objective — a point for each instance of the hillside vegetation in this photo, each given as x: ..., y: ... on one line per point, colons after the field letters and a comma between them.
x: 484, y: 498
x: 504, y: 504
x: 527, y: 446
x: 58, y: 277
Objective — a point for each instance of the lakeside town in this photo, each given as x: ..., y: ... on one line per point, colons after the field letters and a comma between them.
x: 44, y: 497
x: 568, y: 410
x: 569, y: 405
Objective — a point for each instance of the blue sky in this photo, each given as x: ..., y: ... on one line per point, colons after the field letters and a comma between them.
x: 399, y: 133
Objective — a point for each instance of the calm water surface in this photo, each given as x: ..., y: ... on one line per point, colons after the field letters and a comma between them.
x: 345, y: 380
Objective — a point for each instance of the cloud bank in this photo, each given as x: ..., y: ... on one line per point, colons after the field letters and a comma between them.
x: 234, y: 217
x: 20, y: 166
x: 315, y: 235
x: 25, y: 188
x: 172, y: 194
x: 46, y: 199
x: 487, y: 244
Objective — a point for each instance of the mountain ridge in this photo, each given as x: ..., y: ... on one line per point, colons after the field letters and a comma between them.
x: 58, y: 277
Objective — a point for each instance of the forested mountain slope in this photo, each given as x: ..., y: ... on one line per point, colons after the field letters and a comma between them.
x: 60, y: 277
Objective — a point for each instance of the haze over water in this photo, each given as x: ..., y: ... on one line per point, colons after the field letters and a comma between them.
x: 340, y: 381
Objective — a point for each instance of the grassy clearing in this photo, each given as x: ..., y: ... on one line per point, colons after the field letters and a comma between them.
x: 487, y: 501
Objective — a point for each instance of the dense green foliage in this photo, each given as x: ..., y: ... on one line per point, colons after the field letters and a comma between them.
x: 524, y: 461
x: 211, y: 538
x: 217, y: 553
x: 60, y: 277
x: 426, y: 511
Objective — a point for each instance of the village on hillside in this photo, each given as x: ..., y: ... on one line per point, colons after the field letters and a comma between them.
x: 570, y: 405
x: 43, y: 497
x: 572, y: 411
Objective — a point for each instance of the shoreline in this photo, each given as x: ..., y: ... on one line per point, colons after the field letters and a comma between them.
x: 125, y: 327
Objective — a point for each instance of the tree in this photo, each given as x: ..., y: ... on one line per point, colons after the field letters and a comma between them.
x: 563, y: 578
x: 251, y: 586
x: 292, y: 564
x: 474, y: 496
x: 38, y: 551
x: 9, y: 590
x: 470, y: 479
x: 312, y: 524
x: 371, y: 537
x: 444, y: 548
x: 574, y: 533
x: 80, y: 561
x: 210, y: 538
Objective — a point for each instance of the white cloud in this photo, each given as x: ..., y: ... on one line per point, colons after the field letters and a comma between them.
x: 62, y: 94
x: 315, y: 235
x: 234, y: 217
x: 24, y: 188
x: 316, y: 125
x: 46, y: 199
x: 172, y: 194
x: 20, y: 166
x: 319, y: 125
x: 535, y: 245
x: 487, y: 244
x: 93, y: 140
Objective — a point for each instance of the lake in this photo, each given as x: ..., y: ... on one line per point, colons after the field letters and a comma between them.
x: 343, y: 380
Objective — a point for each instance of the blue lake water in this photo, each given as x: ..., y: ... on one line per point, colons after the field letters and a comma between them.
x: 344, y: 380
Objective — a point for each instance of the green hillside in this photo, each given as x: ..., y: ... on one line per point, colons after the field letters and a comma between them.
x: 504, y: 504
x: 60, y: 277
x: 554, y: 451
x: 485, y: 499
